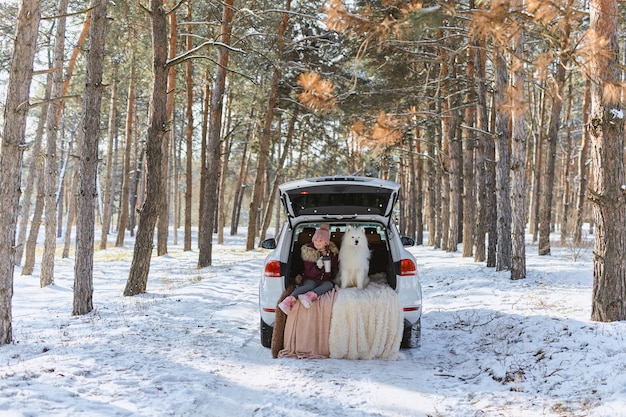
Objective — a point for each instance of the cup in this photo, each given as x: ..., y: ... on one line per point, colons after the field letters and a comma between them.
x: 326, y: 260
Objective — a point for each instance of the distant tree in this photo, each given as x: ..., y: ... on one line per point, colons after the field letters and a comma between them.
x: 125, y: 206
x: 88, y: 162
x: 12, y: 150
x: 503, y: 162
x: 607, y: 190
x: 264, y: 145
x: 189, y: 135
x: 109, y: 185
x: 214, y: 141
x: 582, y: 167
x: 52, y: 170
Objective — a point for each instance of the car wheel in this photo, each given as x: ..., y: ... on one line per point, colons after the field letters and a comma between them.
x: 411, y: 335
x: 266, y: 334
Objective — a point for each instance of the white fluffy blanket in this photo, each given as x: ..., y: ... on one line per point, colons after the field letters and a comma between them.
x: 366, y: 324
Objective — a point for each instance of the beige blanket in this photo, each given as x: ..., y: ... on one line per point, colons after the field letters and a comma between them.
x: 307, y: 330
x: 367, y: 324
x: 348, y: 323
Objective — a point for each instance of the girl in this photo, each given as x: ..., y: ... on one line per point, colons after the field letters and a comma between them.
x: 316, y: 280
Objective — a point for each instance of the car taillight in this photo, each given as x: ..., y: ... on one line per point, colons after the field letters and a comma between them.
x: 272, y: 269
x: 407, y: 267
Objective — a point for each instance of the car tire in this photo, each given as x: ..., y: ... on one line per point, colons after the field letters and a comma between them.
x: 411, y: 336
x: 266, y: 334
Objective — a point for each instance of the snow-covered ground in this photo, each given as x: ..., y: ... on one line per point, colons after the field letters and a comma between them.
x: 190, y: 346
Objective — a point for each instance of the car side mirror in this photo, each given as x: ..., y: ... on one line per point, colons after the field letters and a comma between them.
x: 407, y: 241
x: 269, y: 243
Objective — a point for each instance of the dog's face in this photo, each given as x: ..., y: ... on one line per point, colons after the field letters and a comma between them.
x: 354, y: 236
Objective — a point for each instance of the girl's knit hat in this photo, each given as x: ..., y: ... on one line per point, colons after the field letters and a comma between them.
x: 323, y: 233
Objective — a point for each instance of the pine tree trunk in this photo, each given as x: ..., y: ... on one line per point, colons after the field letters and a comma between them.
x: 241, y: 182
x: 582, y: 167
x: 503, y: 165
x: 567, y: 162
x: 213, y: 152
x: 228, y: 143
x: 35, y: 172
x: 140, y: 265
x: 125, y: 198
x: 538, y: 167
x: 88, y: 163
x: 492, y: 205
x: 35, y: 225
x: 607, y: 189
x: 279, y: 170
x: 482, y: 158
x: 518, y: 159
x: 12, y: 151
x: 432, y: 188
x: 109, y: 186
x: 188, y: 139
x: 71, y: 213
x: 455, y: 166
x: 545, y: 211
x: 163, y: 220
x: 52, y: 172
x: 469, y: 179
x: 264, y: 145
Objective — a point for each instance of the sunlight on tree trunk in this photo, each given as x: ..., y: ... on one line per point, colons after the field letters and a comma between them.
x: 608, y: 190
x: 13, y: 135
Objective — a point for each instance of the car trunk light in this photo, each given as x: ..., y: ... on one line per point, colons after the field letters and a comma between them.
x: 411, y: 308
x: 407, y: 267
x: 269, y: 310
x: 272, y: 269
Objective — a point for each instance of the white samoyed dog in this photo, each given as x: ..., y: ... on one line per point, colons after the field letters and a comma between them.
x: 354, y: 259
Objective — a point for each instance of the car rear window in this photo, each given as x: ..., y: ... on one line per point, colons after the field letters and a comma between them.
x: 313, y: 201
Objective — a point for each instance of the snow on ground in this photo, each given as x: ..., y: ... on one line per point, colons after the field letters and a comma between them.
x: 190, y: 346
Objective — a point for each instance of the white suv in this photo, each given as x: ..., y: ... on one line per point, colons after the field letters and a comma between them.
x: 341, y: 202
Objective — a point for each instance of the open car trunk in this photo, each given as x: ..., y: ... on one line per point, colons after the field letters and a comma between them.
x: 381, y: 264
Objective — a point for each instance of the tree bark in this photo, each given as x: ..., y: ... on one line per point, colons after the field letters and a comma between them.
x: 213, y: 151
x: 582, y: 167
x: 88, y: 163
x: 607, y: 190
x: 225, y: 157
x: 482, y: 158
x: 567, y: 162
x: 538, y: 167
x: 503, y: 165
x: 109, y: 186
x: 52, y: 171
x: 125, y: 205
x: 188, y: 139
x: 545, y: 212
x: 12, y: 151
x: 140, y: 265
x: 163, y: 220
x: 518, y: 157
x: 267, y: 216
x: 469, y: 179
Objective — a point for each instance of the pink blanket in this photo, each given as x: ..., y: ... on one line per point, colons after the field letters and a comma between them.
x: 307, y: 330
